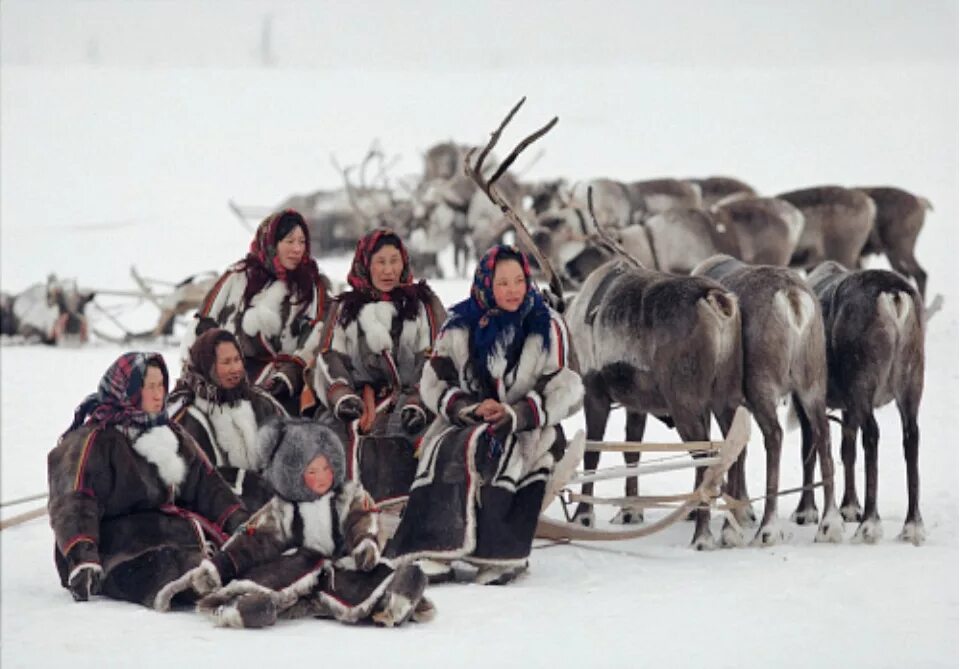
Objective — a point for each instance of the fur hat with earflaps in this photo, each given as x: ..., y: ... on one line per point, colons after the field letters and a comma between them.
x: 289, y: 445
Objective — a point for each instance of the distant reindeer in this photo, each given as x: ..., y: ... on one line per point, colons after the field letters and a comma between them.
x: 898, y: 223
x: 714, y: 189
x: 622, y: 203
x: 659, y: 344
x: 874, y: 324
x: 837, y: 223
x: 784, y: 354
x: 52, y: 313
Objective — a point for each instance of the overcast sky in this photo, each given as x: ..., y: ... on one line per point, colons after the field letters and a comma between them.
x: 427, y: 34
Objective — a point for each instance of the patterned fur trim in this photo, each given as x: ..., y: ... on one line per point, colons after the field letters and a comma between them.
x: 234, y: 431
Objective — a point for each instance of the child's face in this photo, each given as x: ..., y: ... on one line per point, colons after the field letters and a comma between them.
x: 318, y: 475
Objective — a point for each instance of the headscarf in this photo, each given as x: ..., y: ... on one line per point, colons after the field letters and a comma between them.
x: 263, y: 266
x: 407, y: 295
x: 198, y: 376
x: 118, y: 396
x: 491, y: 328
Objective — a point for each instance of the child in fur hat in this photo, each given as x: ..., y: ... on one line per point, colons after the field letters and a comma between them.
x: 335, y: 569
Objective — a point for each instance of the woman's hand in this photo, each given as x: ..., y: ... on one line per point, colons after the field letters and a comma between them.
x: 490, y: 411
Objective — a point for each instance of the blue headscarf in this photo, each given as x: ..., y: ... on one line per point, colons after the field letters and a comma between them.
x: 489, y: 326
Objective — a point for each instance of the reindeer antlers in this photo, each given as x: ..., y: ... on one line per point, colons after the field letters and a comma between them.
x: 608, y: 242
x: 475, y: 172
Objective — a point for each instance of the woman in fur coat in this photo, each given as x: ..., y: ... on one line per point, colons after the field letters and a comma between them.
x: 312, y: 550
x: 217, y: 406
x: 274, y: 302
x: 500, y: 384
x: 373, y: 348
x: 134, y: 504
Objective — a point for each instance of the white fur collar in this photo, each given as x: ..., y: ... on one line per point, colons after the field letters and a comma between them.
x: 318, y: 532
x: 263, y: 314
x: 234, y: 432
x: 159, y: 446
x: 375, y: 319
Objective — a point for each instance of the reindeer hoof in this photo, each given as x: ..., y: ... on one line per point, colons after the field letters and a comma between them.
x: 831, y: 529
x: 913, y: 532
x: 627, y: 516
x: 731, y: 537
x: 869, y: 532
x: 769, y: 535
x: 805, y: 516
x: 585, y: 518
x: 746, y: 516
x: 851, y: 512
x: 704, y: 542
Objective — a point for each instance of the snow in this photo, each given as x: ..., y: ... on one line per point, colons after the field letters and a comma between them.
x: 107, y: 166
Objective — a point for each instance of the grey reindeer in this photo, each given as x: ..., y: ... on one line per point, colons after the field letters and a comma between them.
x: 657, y: 344
x: 837, y: 223
x: 784, y: 354
x: 874, y: 325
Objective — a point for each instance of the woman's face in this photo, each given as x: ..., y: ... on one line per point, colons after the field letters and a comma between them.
x: 318, y: 475
x: 509, y: 285
x: 386, y: 267
x: 291, y: 248
x: 229, y: 366
x: 151, y: 397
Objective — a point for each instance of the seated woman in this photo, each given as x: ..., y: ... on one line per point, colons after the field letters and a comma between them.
x: 217, y: 406
x: 373, y: 349
x: 500, y: 384
x: 134, y: 504
x: 312, y: 550
x: 273, y: 301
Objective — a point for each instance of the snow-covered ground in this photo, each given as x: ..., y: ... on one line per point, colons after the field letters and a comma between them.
x: 107, y: 167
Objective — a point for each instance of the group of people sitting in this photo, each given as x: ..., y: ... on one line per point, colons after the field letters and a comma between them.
x: 259, y: 487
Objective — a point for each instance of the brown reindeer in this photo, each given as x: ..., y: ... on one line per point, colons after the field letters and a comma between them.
x: 899, y: 220
x: 874, y: 325
x: 837, y: 223
x: 714, y: 189
x: 783, y: 355
x: 623, y: 203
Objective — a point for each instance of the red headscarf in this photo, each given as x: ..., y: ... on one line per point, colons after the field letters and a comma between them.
x: 262, y: 264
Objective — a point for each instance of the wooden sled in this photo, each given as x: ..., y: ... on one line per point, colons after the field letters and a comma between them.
x: 716, y: 456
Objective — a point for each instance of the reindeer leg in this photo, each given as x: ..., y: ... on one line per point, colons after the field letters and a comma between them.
x: 596, y: 407
x: 636, y: 423
x: 831, y: 526
x: 871, y: 529
x: 731, y: 535
x: 770, y: 532
x: 913, y: 530
x: 850, y: 505
x: 696, y: 427
x: 807, y: 512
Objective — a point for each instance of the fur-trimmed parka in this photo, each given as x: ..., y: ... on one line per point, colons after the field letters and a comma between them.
x: 144, y: 507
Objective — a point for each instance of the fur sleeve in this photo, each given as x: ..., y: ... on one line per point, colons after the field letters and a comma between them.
x: 440, y: 384
x: 205, y: 491
x: 220, y: 306
x: 332, y: 374
x: 80, y: 475
x: 261, y: 539
x: 361, y: 520
x: 558, y: 390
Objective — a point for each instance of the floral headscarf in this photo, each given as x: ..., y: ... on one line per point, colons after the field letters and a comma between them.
x: 118, y: 396
x: 492, y: 328
x: 407, y: 295
x: 262, y: 264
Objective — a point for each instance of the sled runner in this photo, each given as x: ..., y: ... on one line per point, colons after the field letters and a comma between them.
x: 716, y: 456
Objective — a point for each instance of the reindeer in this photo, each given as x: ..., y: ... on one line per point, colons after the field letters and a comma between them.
x: 874, y: 325
x: 899, y: 220
x: 714, y: 189
x: 837, y: 223
x: 622, y: 203
x: 783, y: 354
x: 766, y: 229
x: 52, y: 313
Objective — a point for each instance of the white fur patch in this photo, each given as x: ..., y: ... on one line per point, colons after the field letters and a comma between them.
x: 375, y: 319
x: 562, y: 396
x: 159, y: 446
x: 234, y: 432
x: 318, y: 525
x: 263, y: 314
